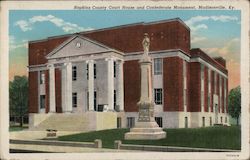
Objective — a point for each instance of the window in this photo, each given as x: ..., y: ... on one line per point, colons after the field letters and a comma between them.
x: 202, y: 100
x: 114, y: 98
x: 203, y: 121
x: 158, y: 96
x: 208, y: 102
x: 157, y: 66
x: 94, y: 71
x: 202, y: 71
x: 209, y: 75
x: 215, y: 82
x: 186, y: 122
x: 95, y: 102
x: 87, y: 101
x: 221, y: 120
x: 74, y: 73
x: 185, y: 96
x: 225, y: 119
x: 42, y: 101
x: 210, y: 121
x: 114, y: 68
x: 87, y: 71
x: 159, y: 121
x: 74, y: 99
x: 119, y: 122
x: 225, y: 95
x: 130, y: 122
x: 42, y: 77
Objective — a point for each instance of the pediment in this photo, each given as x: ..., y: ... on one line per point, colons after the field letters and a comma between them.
x: 78, y: 45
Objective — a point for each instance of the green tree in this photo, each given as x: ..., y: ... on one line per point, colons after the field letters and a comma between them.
x: 234, y: 105
x: 18, y: 92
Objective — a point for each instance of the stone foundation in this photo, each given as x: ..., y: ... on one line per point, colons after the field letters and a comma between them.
x: 145, y: 131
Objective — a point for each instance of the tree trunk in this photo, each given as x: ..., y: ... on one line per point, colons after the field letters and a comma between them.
x: 237, y: 121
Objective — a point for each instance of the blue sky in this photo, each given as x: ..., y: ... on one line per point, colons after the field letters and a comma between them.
x: 215, y: 31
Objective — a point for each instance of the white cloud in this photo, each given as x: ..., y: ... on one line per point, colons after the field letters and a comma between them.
x: 229, y: 49
x: 221, y: 18
x: 195, y: 24
x: 26, y: 25
x: 13, y: 44
x: 197, y: 39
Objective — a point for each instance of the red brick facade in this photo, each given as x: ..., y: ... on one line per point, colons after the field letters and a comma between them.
x: 205, y: 89
x: 132, y: 85
x: 195, y: 87
x: 47, y: 91
x: 58, y: 90
x: 212, y: 91
x: 33, y: 92
x: 173, y: 84
x: 169, y: 35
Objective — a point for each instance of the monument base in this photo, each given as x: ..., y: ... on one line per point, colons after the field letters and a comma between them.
x: 145, y: 131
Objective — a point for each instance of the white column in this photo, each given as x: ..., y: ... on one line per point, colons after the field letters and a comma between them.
x: 120, y: 98
x: 68, y: 87
x: 110, y: 84
x: 91, y: 84
x: 52, y: 99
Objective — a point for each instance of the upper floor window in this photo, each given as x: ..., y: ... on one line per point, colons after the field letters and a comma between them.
x: 87, y: 71
x: 114, y: 68
x: 157, y: 66
x: 202, y: 71
x: 74, y: 73
x: 215, y: 82
x: 42, y: 77
x: 158, y: 95
x: 94, y: 71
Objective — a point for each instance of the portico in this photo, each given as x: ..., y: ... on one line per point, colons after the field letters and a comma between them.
x: 85, y: 85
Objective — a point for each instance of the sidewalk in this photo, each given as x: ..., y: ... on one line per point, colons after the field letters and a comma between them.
x: 62, y: 149
x: 34, y: 135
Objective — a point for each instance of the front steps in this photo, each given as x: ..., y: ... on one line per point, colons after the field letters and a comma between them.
x: 76, y: 122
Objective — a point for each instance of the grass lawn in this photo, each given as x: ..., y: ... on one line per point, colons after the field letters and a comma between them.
x: 210, y: 137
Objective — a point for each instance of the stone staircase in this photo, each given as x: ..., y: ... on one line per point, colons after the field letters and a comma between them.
x: 64, y: 122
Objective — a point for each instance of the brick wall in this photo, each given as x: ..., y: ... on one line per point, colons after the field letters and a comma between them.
x: 173, y: 84
x: 212, y: 91
x: 227, y: 96
x: 132, y: 85
x: 58, y: 90
x: 195, y: 87
x: 33, y: 92
x: 188, y: 87
x: 205, y: 89
x: 218, y: 91
x: 46, y: 91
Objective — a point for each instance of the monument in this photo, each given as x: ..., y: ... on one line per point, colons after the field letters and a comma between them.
x: 146, y: 127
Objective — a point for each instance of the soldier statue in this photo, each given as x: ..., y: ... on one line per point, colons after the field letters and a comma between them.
x: 145, y: 44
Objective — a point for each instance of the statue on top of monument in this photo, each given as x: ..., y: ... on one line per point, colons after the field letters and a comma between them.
x: 145, y: 44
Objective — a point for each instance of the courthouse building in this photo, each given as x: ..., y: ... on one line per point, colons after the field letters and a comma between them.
x: 91, y: 80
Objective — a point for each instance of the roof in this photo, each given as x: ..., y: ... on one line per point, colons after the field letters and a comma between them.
x: 197, y: 52
x: 116, y: 27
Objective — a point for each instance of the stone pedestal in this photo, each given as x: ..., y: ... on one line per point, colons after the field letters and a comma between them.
x: 145, y: 127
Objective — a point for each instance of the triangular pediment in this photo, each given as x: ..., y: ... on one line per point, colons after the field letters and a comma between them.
x: 78, y: 45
